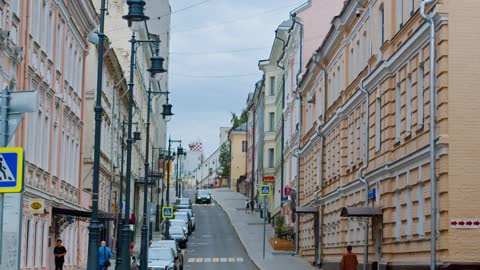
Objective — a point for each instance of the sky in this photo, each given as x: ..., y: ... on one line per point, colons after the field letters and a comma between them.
x: 215, y: 47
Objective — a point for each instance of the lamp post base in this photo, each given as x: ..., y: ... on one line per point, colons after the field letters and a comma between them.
x: 93, y: 244
x: 126, y: 238
x: 144, y: 248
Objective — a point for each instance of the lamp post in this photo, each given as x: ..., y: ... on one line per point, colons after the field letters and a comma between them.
x: 134, y: 17
x: 156, y: 71
x: 170, y: 157
x: 118, y: 259
x: 94, y: 227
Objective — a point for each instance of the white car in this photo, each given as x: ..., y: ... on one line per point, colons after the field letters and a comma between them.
x: 192, y: 217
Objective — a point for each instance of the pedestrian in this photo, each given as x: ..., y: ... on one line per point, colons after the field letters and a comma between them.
x: 104, y: 255
x: 247, y: 206
x: 349, y: 260
x: 59, y: 251
x: 134, y: 265
x: 252, y: 205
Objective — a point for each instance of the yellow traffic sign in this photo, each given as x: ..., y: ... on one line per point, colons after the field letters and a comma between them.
x: 11, y: 169
x: 167, y: 212
x: 266, y: 190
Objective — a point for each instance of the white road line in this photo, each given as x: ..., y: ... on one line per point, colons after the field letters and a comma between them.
x: 191, y: 260
x: 223, y: 259
x: 239, y: 259
x: 207, y: 259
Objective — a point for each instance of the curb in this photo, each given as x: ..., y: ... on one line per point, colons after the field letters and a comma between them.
x: 238, y: 236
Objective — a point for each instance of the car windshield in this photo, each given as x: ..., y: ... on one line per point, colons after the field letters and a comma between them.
x: 160, y: 254
x: 175, y: 230
x: 183, y: 201
x: 203, y: 193
x: 189, y: 211
x: 164, y: 245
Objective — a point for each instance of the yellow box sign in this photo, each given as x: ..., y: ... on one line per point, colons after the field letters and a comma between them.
x: 266, y: 190
x: 167, y: 212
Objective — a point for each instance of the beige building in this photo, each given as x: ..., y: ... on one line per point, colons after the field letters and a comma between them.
x: 238, y: 154
x: 385, y: 50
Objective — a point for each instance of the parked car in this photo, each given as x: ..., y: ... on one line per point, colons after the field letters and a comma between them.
x: 184, y: 216
x: 162, y: 258
x: 178, y: 234
x: 170, y: 244
x: 203, y: 196
x: 180, y: 222
x: 192, y: 217
x: 182, y: 203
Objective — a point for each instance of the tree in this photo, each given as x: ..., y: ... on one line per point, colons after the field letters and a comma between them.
x: 238, y: 121
x: 224, y: 169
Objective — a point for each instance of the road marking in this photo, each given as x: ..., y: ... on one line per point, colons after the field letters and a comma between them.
x: 207, y: 235
x: 215, y: 260
x: 231, y: 259
x: 207, y: 260
x: 199, y: 260
x: 223, y: 259
x: 190, y: 260
x: 203, y: 244
x: 239, y: 259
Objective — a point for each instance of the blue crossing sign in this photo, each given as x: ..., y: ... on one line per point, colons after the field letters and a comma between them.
x: 167, y: 212
x: 11, y: 169
x: 266, y: 190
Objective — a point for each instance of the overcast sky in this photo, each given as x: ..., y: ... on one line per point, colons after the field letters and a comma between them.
x: 214, y: 52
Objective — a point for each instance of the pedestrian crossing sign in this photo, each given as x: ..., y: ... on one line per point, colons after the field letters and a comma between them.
x: 266, y: 190
x: 167, y: 212
x: 11, y: 169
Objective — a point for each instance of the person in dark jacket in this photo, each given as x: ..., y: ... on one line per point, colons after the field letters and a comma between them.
x: 349, y: 260
x: 59, y: 251
x: 104, y: 255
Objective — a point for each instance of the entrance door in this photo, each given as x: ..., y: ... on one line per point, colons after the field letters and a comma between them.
x: 377, y: 238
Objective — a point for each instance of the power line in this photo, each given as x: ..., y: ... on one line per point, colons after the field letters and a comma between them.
x: 163, y: 15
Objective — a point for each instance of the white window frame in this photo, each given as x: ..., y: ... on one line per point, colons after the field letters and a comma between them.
x: 378, y: 121
x: 408, y: 105
x: 44, y: 25
x: 358, y: 62
x: 398, y: 108
x: 399, y: 14
x: 420, y: 91
x: 272, y: 85
x: 44, y: 243
x: 411, y: 7
x: 365, y: 49
x: 30, y: 242
x: 381, y: 26
x: 352, y: 64
x: 38, y: 244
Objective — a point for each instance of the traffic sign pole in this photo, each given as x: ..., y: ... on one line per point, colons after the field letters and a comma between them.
x: 3, y: 143
x: 264, y: 223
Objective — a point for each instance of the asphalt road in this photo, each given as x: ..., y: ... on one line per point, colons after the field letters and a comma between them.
x: 214, y: 245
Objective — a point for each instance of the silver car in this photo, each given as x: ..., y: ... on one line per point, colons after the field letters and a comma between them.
x: 162, y: 258
x: 170, y: 244
x: 192, y: 217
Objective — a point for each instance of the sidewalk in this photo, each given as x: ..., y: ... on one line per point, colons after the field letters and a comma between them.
x: 249, y: 228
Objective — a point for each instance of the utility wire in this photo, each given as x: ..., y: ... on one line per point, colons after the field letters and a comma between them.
x: 163, y: 15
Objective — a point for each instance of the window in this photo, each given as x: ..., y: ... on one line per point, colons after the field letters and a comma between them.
x: 46, y: 142
x: 411, y: 7
x: 399, y: 14
x: 39, y: 137
x: 272, y: 86
x: 44, y: 244
x: 271, y: 157
x: 1, y: 18
x: 409, y: 103
x: 38, y: 243
x: 358, y: 64
x: 58, y: 47
x: 381, y: 26
x: 51, y: 26
x: 378, y: 121
x: 340, y: 80
x: 44, y: 26
x: 31, y: 136
x: 364, y: 49
x: 36, y: 19
x: 351, y: 66
x: 15, y: 7
x: 55, y: 150
x: 398, y: 107
x: 420, y: 91
x: 349, y: 141
x: 30, y: 241
x: 271, y: 121
x: 244, y: 146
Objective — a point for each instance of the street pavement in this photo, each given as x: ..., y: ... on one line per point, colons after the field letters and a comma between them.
x: 214, y: 244
x: 249, y: 228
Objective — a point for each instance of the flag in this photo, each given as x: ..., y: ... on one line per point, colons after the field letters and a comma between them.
x: 195, y: 147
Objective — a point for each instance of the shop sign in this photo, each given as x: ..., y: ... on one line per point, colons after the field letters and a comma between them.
x: 37, y: 206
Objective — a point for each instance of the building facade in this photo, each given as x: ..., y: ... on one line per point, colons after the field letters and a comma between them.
x: 237, y: 138
x: 384, y: 136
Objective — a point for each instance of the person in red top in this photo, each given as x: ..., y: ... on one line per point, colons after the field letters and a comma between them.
x: 349, y: 260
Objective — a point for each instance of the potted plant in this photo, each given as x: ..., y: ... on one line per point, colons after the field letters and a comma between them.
x: 279, y: 226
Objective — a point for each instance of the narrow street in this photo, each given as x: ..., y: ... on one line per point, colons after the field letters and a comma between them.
x: 214, y: 244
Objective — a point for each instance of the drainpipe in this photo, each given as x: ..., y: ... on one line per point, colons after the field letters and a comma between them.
x: 433, y: 180
x: 282, y: 156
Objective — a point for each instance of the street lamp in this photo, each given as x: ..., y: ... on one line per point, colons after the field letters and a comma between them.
x: 180, y: 153
x: 94, y: 227
x: 155, y: 71
x: 135, y: 17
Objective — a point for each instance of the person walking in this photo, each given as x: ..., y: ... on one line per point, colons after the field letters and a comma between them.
x: 104, y: 255
x: 247, y: 206
x: 134, y: 265
x: 252, y: 205
x: 349, y: 260
x: 59, y: 251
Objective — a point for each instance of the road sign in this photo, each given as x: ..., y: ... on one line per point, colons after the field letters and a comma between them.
x: 11, y: 170
x: 19, y: 102
x: 167, y: 212
x: 266, y: 190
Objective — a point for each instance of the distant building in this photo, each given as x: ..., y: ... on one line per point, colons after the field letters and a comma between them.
x: 238, y: 154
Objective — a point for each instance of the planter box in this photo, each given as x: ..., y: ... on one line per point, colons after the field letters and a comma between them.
x: 281, y: 244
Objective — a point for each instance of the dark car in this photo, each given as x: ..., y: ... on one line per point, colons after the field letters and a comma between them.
x: 182, y: 203
x: 178, y: 234
x: 203, y: 196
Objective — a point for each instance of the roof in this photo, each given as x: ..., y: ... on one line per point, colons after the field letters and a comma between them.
x: 288, y: 23
x: 242, y: 127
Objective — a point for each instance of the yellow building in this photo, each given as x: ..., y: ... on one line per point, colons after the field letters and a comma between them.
x: 382, y: 48
x: 238, y: 154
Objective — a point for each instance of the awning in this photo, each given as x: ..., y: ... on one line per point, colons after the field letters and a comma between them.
x: 81, y: 213
x: 306, y: 210
x: 361, y: 212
